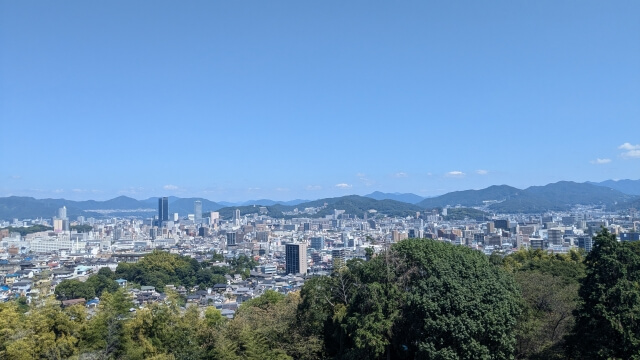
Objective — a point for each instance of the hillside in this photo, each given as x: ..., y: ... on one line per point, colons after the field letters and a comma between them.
x: 465, y: 214
x: 403, y: 197
x: 352, y: 204
x: 470, y: 197
x: 184, y: 206
x: 560, y: 196
x: 630, y: 187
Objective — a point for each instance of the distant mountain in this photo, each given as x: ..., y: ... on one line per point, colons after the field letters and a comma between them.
x: 466, y: 213
x: 184, y: 206
x: 560, y: 196
x: 29, y: 208
x: 631, y: 187
x: 121, y: 202
x: 470, y: 197
x: 352, y: 204
x: 23, y: 207
x: 404, y: 197
x: 262, y: 202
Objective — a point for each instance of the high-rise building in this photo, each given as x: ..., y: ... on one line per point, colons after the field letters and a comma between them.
x: 585, y: 242
x: 197, y: 211
x: 62, y: 213
x: 236, y: 217
x: 501, y: 224
x: 555, y: 236
x: 490, y: 227
x: 296, y: 258
x: 231, y: 239
x: 163, y: 210
x: 317, y: 242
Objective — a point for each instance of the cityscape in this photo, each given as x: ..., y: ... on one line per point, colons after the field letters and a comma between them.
x: 286, y: 249
x: 319, y: 180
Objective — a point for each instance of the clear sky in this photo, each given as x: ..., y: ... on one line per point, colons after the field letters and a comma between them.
x: 238, y: 100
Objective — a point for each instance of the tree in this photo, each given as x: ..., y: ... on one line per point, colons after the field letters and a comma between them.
x: 549, y: 285
x: 607, y: 319
x: 74, y: 289
x: 101, y: 283
x: 420, y: 299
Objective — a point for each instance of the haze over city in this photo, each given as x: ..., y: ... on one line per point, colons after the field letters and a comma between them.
x: 236, y: 101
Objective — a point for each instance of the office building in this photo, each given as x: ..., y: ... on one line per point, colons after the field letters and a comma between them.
x: 634, y: 236
x: 585, y: 242
x: 490, y: 227
x: 62, y: 213
x: 296, y: 258
x: 317, y: 242
x: 197, y: 212
x: 163, y: 210
x: 555, y: 236
x: 501, y: 224
x: 236, y: 217
x: 231, y: 239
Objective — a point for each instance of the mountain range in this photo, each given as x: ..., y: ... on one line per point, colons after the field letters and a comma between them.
x: 631, y: 187
x: 497, y: 199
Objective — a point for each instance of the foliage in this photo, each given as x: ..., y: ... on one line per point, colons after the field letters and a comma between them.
x: 607, y: 324
x: 465, y: 213
x: 422, y: 299
x: 82, y: 228
x: 74, y: 289
x: 28, y: 230
x: 161, y: 268
x: 549, y: 285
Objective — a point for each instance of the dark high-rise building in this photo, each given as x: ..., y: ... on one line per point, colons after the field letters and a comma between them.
x: 231, y: 239
x: 163, y: 210
x: 501, y: 224
x: 296, y: 258
x: 585, y: 242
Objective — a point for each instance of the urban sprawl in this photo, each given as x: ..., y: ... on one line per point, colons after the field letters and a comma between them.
x: 286, y: 251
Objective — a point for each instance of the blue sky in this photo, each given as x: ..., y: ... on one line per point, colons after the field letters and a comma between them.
x: 237, y: 100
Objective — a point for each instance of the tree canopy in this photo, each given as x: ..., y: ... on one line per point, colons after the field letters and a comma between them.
x: 608, y: 315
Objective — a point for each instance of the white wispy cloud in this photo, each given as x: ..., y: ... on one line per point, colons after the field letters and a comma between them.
x: 170, y: 187
x: 314, y: 187
x: 15, y: 177
x: 482, y: 172
x: 344, y: 186
x: 628, y: 146
x: 79, y: 190
x: 631, y: 151
x: 455, y: 173
x: 599, y: 161
x: 280, y: 189
x: 401, y: 174
x: 58, y: 191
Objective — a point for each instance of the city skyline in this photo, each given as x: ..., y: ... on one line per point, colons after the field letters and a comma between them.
x: 306, y: 101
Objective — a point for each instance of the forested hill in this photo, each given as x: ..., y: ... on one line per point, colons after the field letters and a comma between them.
x: 351, y: 204
x: 558, y: 196
x: 471, y: 197
x: 561, y: 196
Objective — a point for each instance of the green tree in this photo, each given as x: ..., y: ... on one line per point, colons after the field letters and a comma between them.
x: 549, y: 285
x: 607, y: 319
x: 73, y: 289
x: 101, y: 283
x: 420, y: 299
